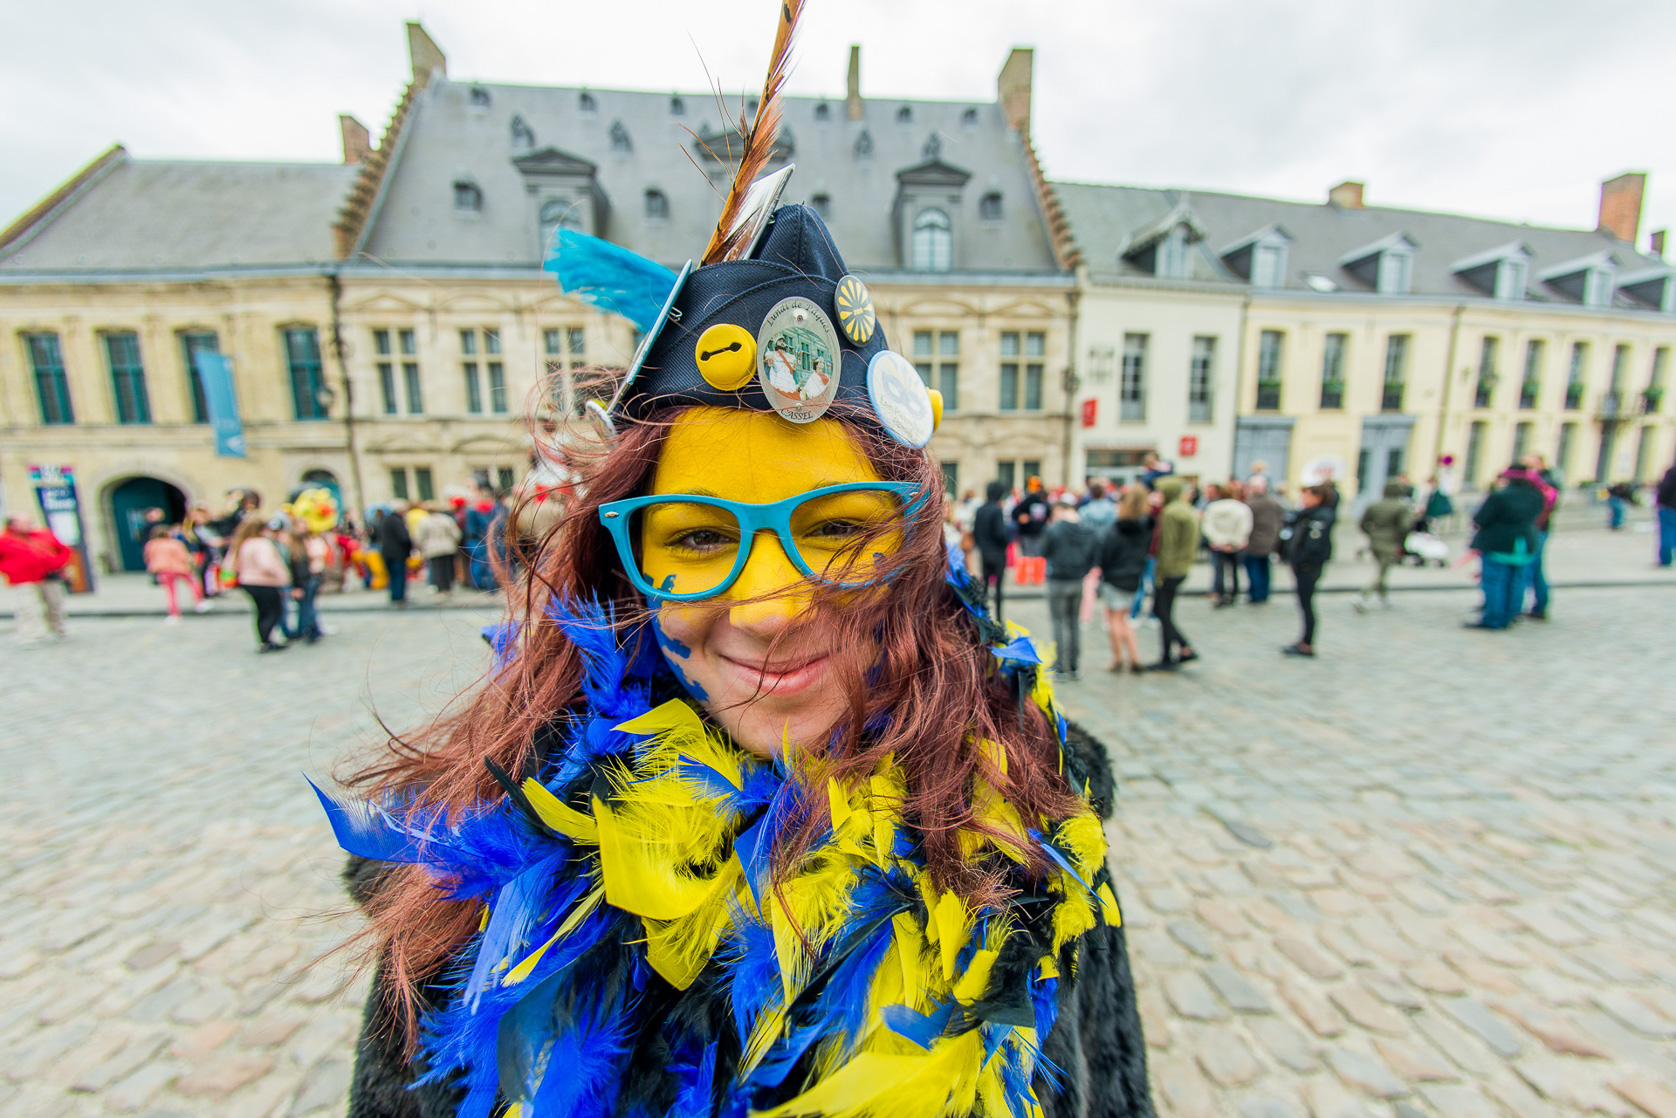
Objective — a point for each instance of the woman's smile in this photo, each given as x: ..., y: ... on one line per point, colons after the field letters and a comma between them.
x: 784, y: 677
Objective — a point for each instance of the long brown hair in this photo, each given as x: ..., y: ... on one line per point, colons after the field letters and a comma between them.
x: 931, y: 692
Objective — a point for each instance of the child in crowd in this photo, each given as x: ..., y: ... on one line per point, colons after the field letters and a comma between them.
x: 169, y: 560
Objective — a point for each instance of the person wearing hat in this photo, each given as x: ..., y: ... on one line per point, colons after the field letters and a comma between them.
x: 758, y: 810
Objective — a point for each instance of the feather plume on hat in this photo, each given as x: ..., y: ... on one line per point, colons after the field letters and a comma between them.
x: 732, y: 238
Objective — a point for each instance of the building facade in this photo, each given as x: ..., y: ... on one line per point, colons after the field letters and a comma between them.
x: 1375, y: 342
x: 390, y: 328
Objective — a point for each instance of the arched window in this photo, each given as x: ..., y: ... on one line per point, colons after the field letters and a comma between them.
x: 677, y: 107
x: 969, y: 118
x: 822, y: 204
x: 905, y: 115
x: 933, y: 242
x: 479, y: 97
x: 989, y: 206
x: 864, y: 145
x: 585, y: 102
x: 557, y: 213
x: 657, y: 204
x: 468, y: 197
x: 823, y: 111
x: 620, y: 137
x: 523, y: 136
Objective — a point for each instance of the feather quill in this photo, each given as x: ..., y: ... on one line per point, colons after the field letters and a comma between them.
x: 758, y: 140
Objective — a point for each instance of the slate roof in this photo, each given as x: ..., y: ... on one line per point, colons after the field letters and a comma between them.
x: 1105, y: 219
x: 450, y: 139
x: 150, y: 215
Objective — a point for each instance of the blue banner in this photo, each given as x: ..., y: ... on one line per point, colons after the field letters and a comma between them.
x: 215, y: 373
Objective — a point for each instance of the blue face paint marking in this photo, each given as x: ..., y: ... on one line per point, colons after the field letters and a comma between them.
x: 673, y: 648
x: 669, y: 644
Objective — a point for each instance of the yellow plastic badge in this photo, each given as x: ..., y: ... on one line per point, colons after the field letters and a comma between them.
x: 855, y: 310
x: 726, y: 356
x: 936, y: 408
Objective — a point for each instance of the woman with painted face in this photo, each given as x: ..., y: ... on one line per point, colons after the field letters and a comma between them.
x: 757, y: 811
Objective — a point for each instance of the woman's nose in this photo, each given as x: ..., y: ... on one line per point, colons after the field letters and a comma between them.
x: 770, y: 592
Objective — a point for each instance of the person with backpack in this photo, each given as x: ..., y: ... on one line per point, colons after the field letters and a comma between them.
x: 1123, y: 559
x: 1310, y: 548
x: 1385, y: 523
x: 1069, y: 549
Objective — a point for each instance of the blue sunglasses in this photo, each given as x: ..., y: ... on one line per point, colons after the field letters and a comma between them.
x: 703, y: 530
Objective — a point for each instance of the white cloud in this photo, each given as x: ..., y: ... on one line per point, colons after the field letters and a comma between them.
x: 1512, y: 108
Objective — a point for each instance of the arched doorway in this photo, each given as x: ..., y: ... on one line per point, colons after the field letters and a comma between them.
x: 131, y: 503
x: 319, y: 479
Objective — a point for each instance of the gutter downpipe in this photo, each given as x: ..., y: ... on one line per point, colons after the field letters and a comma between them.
x: 1072, y: 382
x: 336, y: 287
x: 1448, y: 385
x: 1239, y: 386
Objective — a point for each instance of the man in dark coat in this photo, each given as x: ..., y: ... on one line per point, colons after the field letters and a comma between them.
x: 1267, y: 518
x: 991, y: 536
x: 1506, y: 545
x: 395, y: 545
x: 1386, y: 523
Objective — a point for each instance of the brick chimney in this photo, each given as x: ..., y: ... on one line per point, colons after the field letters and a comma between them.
x: 853, y: 100
x: 357, y: 141
x: 1658, y: 243
x: 426, y: 55
x: 1620, y: 205
x: 1347, y: 195
x: 1013, y: 89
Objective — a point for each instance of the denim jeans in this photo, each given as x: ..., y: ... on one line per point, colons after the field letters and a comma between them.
x: 1667, y: 535
x: 1257, y: 578
x: 1065, y: 606
x: 308, y: 620
x: 1504, y: 590
x: 1140, y: 591
x: 1538, y: 578
x: 1614, y: 513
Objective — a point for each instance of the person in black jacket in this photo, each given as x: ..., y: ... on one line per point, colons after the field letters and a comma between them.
x: 1071, y: 549
x: 1123, y: 554
x: 1506, y: 543
x: 991, y: 536
x: 395, y: 545
x: 1665, y: 498
x: 1311, y: 548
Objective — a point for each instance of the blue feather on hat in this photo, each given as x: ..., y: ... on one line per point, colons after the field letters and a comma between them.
x: 609, y: 276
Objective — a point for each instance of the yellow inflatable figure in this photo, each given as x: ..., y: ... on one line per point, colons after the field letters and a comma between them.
x: 316, y: 508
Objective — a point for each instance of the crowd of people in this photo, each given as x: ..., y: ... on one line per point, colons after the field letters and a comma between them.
x: 1125, y: 551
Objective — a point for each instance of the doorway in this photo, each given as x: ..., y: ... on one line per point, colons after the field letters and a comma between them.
x: 1384, y: 455
x: 1266, y: 439
x: 130, y: 503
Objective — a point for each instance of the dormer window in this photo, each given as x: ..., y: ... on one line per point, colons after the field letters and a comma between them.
x: 989, y: 206
x: 585, y: 102
x: 823, y: 111
x: 1589, y: 280
x: 1502, y: 272
x: 864, y: 145
x: 657, y: 205
x: 822, y: 204
x: 620, y: 138
x: 751, y: 106
x: 1387, y: 265
x: 1172, y: 254
x: 523, y: 136
x: 479, y: 97
x: 933, y: 242
x: 1268, y: 265
x: 969, y: 118
x: 556, y: 214
x: 1654, y: 288
x: 468, y: 197
x: 905, y: 115
x: 677, y: 107
x: 1261, y: 258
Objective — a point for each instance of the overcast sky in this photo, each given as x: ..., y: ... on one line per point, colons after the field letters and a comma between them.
x: 1510, y: 108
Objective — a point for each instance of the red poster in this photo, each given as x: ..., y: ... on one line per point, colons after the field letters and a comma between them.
x: 1188, y: 447
x: 1090, y: 408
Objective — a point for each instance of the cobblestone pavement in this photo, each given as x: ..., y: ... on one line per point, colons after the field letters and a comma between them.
x: 1429, y: 873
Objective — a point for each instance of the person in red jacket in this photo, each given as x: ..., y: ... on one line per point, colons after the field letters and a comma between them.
x: 31, y: 557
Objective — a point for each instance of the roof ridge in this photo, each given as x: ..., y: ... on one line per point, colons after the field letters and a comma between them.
x: 55, y: 201
x: 1063, y: 243
x: 357, y: 207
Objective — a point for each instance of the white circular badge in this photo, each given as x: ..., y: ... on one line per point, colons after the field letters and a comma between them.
x: 798, y: 360
x: 900, y: 399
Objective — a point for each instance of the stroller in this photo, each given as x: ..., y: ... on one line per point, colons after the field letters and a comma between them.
x: 1421, y: 548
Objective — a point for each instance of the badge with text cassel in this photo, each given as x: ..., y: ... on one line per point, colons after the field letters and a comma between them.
x: 797, y: 360
x: 900, y: 399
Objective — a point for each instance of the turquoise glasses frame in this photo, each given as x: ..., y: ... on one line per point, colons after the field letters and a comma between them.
x: 753, y: 520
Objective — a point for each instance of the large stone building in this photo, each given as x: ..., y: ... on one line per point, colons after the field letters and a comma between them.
x: 1385, y: 339
x: 390, y: 327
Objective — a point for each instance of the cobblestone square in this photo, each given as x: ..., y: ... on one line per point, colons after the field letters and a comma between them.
x: 1429, y: 873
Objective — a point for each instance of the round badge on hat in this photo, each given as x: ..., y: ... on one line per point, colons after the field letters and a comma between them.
x: 798, y: 360
x: 900, y: 399
x: 855, y: 310
x: 726, y: 356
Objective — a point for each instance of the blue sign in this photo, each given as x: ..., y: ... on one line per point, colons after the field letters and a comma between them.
x: 215, y: 373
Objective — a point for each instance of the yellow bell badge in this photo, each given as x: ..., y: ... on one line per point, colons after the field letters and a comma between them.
x: 726, y: 356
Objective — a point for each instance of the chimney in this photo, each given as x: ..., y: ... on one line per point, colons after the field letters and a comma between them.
x: 1658, y: 243
x: 853, y: 101
x: 1012, y: 88
x: 357, y: 141
x: 426, y: 55
x: 1620, y: 205
x: 1347, y: 195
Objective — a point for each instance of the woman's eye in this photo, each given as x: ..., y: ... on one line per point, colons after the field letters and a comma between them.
x: 838, y: 529
x: 701, y: 539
